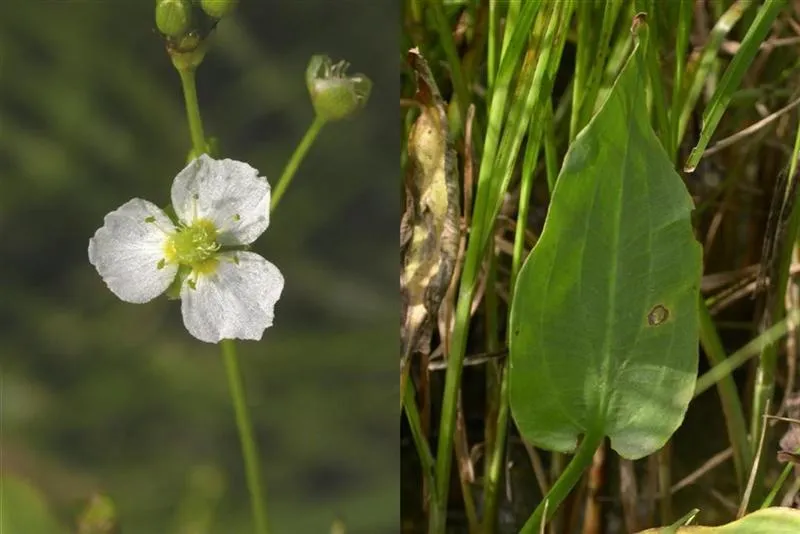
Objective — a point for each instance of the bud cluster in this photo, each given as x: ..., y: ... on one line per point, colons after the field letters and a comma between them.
x: 184, y: 23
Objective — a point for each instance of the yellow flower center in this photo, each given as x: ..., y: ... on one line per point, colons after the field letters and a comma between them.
x: 194, y: 246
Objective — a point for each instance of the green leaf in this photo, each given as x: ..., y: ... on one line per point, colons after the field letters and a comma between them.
x: 604, y: 326
x: 25, y: 510
x: 776, y: 520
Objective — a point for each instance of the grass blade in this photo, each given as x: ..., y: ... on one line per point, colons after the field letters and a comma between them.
x: 733, y: 76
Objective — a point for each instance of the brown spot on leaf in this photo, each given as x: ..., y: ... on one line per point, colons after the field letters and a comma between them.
x: 658, y: 315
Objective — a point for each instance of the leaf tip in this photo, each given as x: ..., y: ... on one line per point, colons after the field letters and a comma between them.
x: 638, y: 19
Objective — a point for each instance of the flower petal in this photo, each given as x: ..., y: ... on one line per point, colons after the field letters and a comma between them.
x: 229, y: 193
x: 237, y: 301
x: 126, y: 251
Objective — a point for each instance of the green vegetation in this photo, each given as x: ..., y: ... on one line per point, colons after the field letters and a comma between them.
x: 582, y: 130
x: 100, y: 397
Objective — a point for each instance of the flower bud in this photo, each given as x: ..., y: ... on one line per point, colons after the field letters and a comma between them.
x: 218, y: 8
x: 173, y: 17
x: 334, y: 94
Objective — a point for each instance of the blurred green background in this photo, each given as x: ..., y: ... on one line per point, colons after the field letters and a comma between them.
x: 100, y: 395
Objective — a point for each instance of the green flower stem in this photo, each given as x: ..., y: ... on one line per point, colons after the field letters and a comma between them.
x: 193, y: 110
x: 296, y: 159
x: 243, y: 423
x: 252, y: 469
x: 563, y: 486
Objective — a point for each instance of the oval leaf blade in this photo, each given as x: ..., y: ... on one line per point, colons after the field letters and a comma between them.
x: 774, y: 520
x: 604, y: 326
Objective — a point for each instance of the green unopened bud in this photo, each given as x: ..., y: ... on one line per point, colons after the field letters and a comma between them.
x: 173, y: 17
x: 218, y: 8
x: 334, y: 93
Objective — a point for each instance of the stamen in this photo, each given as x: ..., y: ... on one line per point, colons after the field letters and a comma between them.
x: 192, y: 244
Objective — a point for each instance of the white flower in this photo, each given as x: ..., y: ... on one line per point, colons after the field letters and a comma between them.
x: 226, y: 292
